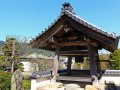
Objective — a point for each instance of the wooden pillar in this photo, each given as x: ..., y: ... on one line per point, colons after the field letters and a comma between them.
x: 69, y: 62
x: 55, y: 65
x: 93, y: 67
x: 98, y: 65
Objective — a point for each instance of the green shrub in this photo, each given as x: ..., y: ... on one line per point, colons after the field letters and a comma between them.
x: 19, y: 66
x: 26, y: 85
x: 116, y: 57
x: 5, y: 80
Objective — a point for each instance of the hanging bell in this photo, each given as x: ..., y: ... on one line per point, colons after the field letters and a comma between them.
x: 79, y: 59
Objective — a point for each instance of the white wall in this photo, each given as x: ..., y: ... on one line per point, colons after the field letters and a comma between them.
x: 35, y: 84
x: 111, y: 79
x: 30, y: 66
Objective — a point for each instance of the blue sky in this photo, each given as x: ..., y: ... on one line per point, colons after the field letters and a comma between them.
x: 29, y: 17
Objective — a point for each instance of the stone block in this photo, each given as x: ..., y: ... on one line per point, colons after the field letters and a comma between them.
x: 90, y: 87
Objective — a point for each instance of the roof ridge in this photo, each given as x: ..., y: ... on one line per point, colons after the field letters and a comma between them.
x: 86, y: 23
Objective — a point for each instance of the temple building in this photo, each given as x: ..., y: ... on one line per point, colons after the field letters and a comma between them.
x: 72, y: 36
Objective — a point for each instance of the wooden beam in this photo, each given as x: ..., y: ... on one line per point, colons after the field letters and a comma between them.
x: 98, y: 65
x: 83, y: 43
x: 93, y: 67
x: 45, y: 37
x: 74, y: 52
x: 69, y: 37
x: 106, y: 42
x: 75, y: 43
x: 51, y: 39
x: 69, y: 62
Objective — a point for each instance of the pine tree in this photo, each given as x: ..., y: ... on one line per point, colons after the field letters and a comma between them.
x: 116, y: 57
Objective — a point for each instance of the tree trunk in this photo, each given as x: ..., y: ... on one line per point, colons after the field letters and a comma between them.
x: 13, y: 56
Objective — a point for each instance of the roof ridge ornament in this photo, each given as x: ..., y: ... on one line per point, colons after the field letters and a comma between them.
x: 66, y: 6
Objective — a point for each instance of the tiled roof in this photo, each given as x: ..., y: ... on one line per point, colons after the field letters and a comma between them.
x: 87, y: 24
x: 71, y: 14
x: 111, y: 73
x: 39, y: 74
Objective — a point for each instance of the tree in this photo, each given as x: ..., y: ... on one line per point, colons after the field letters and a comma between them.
x: 14, y: 49
x: 24, y: 47
x: 115, y: 56
x: 104, y: 65
x: 9, y: 50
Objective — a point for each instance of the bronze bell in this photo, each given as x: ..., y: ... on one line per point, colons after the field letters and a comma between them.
x: 79, y: 59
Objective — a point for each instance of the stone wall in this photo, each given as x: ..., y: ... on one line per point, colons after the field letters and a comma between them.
x: 16, y: 80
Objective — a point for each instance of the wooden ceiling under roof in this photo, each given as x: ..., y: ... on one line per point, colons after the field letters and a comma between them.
x: 70, y: 32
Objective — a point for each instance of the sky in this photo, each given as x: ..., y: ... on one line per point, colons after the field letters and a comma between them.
x: 29, y: 17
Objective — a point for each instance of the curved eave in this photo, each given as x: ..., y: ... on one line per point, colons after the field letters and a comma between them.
x: 40, y: 39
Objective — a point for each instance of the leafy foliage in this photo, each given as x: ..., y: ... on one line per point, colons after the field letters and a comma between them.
x: 26, y: 85
x: 2, y: 61
x: 9, y: 50
x: 5, y: 80
x: 44, y: 64
x: 104, y: 65
x: 82, y: 65
x: 115, y: 56
x: 8, y: 47
x: 19, y: 66
x: 22, y: 48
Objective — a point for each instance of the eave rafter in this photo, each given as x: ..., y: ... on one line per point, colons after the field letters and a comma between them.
x: 75, y: 53
x: 56, y: 42
x: 106, y: 42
